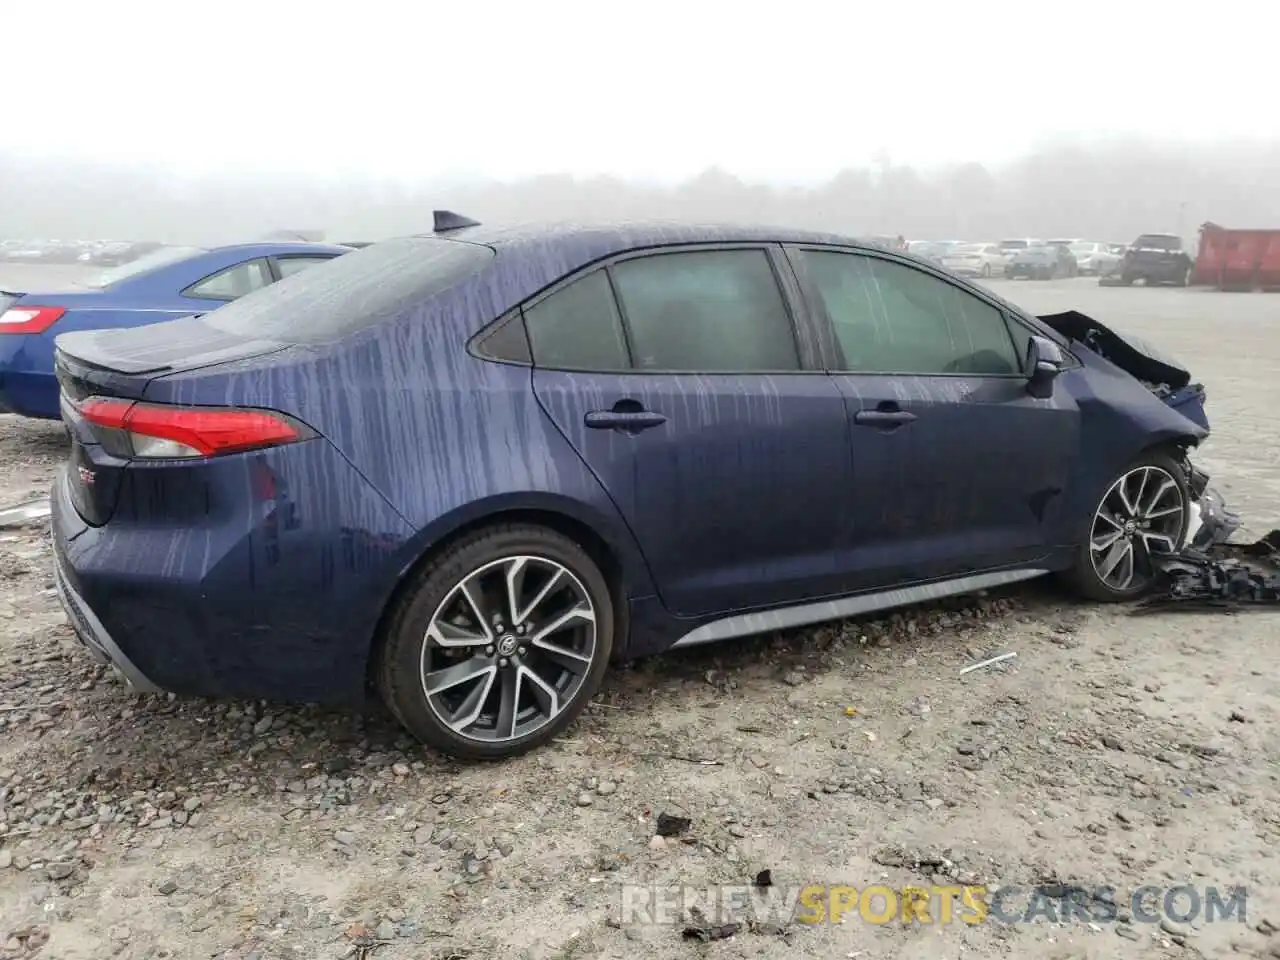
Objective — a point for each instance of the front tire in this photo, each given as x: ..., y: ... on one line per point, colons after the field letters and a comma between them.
x: 498, y: 643
x: 1144, y: 511
x: 986, y: 271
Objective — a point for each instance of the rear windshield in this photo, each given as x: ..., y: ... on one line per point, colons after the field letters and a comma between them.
x: 351, y: 292
x: 149, y: 261
x: 1013, y: 244
x: 1156, y: 242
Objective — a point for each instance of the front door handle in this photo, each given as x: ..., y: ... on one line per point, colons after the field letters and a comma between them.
x: 883, y: 418
x: 629, y: 421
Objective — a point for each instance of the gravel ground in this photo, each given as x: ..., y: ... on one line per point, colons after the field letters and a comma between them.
x: 1114, y: 750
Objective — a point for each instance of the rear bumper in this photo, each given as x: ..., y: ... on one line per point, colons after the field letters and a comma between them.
x: 1160, y: 272
x: 266, y: 593
x: 93, y: 635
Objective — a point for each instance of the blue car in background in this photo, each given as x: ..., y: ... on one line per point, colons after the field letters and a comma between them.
x: 471, y: 469
x: 161, y: 285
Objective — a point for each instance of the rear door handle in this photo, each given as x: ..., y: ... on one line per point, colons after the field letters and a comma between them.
x: 629, y: 421
x: 883, y: 418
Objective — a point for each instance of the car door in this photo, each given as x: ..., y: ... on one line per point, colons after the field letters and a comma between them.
x: 956, y: 468
x: 691, y: 390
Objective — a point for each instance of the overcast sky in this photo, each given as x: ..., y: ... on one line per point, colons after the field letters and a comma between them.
x: 651, y: 89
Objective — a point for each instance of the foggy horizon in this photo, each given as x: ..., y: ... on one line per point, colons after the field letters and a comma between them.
x: 922, y: 120
x: 1111, y: 192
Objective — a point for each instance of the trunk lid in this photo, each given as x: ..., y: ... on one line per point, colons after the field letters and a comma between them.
x: 122, y: 364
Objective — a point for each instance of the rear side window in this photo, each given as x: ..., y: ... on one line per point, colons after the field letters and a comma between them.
x: 578, y: 327
x: 233, y: 282
x: 355, y: 291
x: 706, y: 311
x: 288, y: 266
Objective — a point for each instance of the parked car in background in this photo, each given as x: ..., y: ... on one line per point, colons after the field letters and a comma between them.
x: 1043, y: 262
x: 975, y: 260
x: 931, y: 250
x: 114, y: 253
x: 1011, y: 247
x: 164, y: 284
x: 1156, y: 258
x: 473, y: 469
x: 1094, y: 258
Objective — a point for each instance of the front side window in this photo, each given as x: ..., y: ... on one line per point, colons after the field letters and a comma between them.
x: 234, y: 282
x: 892, y: 318
x: 578, y: 327
x: 706, y: 311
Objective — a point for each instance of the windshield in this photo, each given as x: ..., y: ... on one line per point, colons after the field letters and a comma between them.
x: 1083, y: 247
x: 969, y: 248
x: 150, y: 261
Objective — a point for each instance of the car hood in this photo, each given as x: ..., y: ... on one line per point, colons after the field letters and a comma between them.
x: 1134, y: 356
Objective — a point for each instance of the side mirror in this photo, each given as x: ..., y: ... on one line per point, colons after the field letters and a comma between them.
x: 1043, y: 364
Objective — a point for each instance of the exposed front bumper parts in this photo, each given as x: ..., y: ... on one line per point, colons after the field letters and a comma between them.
x: 1211, y: 522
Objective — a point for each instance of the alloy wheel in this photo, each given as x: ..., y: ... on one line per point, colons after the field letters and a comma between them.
x: 1142, y: 514
x: 508, y: 649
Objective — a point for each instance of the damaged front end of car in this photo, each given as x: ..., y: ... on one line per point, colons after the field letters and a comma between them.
x: 1208, y: 570
x: 1210, y: 521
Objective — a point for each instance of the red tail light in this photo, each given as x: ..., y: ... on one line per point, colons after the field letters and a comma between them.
x: 29, y: 319
x: 160, y: 432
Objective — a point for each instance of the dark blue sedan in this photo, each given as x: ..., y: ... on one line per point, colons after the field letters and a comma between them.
x: 161, y: 285
x: 471, y: 469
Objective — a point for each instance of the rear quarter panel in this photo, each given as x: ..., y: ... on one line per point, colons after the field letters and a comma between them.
x: 445, y: 437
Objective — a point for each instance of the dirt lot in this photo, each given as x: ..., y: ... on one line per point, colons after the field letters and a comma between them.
x: 1114, y: 750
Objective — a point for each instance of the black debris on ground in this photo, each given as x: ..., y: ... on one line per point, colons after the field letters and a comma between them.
x: 1221, y: 576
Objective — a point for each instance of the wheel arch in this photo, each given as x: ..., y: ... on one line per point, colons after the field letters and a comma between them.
x: 609, y: 545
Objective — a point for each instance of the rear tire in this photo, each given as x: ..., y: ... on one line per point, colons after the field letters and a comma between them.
x: 1145, y: 509
x: 498, y: 643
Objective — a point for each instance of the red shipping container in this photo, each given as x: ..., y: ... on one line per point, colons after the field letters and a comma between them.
x: 1238, y: 259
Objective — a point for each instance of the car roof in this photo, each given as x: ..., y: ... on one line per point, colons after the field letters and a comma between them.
x: 277, y: 246
x: 605, y: 238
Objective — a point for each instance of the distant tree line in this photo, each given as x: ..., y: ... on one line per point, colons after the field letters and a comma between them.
x: 1108, y: 192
